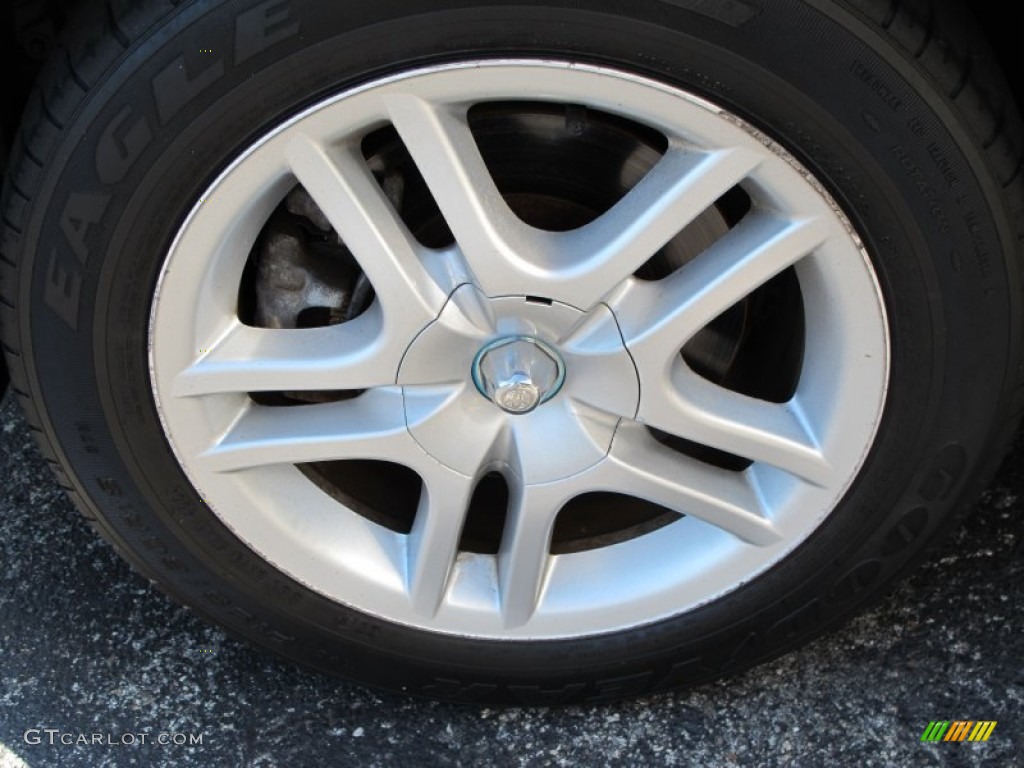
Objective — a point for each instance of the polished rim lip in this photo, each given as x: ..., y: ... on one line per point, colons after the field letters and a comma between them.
x: 542, y: 63
x: 504, y: 341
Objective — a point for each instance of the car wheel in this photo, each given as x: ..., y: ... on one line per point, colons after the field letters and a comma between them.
x: 519, y: 352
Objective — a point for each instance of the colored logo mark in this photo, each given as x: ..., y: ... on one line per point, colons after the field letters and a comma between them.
x: 958, y: 730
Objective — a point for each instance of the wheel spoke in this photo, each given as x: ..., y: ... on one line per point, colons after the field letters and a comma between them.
x: 525, y: 545
x: 342, y: 185
x: 641, y: 466
x: 778, y: 434
x: 676, y: 191
x: 371, y: 426
x: 434, y: 538
x: 658, y: 318
x: 352, y: 355
x: 577, y: 267
x: 493, y: 240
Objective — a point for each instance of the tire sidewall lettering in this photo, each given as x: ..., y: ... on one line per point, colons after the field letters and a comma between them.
x: 127, y: 135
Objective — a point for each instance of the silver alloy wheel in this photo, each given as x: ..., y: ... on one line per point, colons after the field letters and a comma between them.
x: 619, y: 337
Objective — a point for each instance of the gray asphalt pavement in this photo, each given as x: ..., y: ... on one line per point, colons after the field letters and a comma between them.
x: 88, y: 647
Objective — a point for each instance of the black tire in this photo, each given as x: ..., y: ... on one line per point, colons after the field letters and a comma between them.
x: 896, y: 107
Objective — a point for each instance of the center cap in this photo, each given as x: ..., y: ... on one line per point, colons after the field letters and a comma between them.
x: 518, y: 373
x: 559, y: 402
